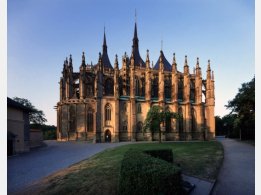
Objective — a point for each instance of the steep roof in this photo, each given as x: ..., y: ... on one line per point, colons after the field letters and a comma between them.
x: 167, y: 66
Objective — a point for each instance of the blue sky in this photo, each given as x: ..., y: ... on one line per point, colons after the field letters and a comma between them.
x: 42, y: 33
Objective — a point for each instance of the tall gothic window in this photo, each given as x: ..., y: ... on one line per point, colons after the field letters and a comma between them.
x: 142, y: 87
x: 168, y: 125
x: 180, y: 89
x: 139, y: 127
x: 107, y: 112
x: 181, y: 127
x: 89, y: 87
x: 167, y: 89
x: 137, y: 87
x: 192, y: 91
x: 128, y: 86
x: 139, y: 108
x: 120, y: 86
x: 109, y: 85
x: 90, y: 120
x: 155, y: 87
x: 193, y: 120
x: 125, y: 126
x: 72, y: 117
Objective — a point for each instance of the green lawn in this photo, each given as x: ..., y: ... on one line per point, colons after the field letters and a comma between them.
x: 100, y: 174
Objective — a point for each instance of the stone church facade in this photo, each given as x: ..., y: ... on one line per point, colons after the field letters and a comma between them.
x: 103, y: 103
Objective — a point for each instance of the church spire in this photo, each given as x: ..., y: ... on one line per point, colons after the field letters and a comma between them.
x: 104, y: 43
x: 135, y: 39
x: 135, y: 54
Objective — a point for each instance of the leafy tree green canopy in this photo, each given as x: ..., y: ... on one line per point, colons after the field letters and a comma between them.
x: 159, y: 114
x: 244, y: 102
x: 35, y: 117
x: 243, y: 106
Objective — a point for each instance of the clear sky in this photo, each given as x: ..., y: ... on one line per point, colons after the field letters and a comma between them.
x: 42, y: 33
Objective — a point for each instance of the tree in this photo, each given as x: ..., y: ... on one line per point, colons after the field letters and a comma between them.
x: 243, y: 105
x: 219, y: 126
x: 156, y: 119
x: 35, y: 117
x: 228, y: 125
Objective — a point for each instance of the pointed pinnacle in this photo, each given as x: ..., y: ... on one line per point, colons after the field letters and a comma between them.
x: 116, y: 58
x: 148, y: 57
x: 186, y: 60
x: 209, y: 65
x: 174, y: 58
x: 197, y: 65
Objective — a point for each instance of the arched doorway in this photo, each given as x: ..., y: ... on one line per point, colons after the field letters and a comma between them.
x: 107, y: 136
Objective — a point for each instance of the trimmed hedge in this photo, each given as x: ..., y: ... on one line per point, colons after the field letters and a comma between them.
x: 164, y: 154
x: 144, y: 174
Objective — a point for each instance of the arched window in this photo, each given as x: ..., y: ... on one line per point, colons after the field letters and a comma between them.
x: 107, y: 112
x: 139, y: 108
x: 109, y: 85
x: 181, y: 128
x: 168, y: 122
x: 139, y: 127
x: 90, y: 120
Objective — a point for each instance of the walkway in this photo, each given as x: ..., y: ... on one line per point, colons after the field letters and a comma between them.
x: 237, y: 174
x: 26, y: 168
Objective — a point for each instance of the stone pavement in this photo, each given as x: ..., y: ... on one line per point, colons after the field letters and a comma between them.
x: 237, y: 174
x: 24, y: 169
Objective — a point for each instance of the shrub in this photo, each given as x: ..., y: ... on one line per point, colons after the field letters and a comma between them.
x: 164, y: 154
x: 143, y: 174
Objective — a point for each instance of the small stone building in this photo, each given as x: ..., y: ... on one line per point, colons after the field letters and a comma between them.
x: 18, y: 133
x: 105, y: 103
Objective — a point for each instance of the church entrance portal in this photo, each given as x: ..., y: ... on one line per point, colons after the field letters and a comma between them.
x: 107, y: 136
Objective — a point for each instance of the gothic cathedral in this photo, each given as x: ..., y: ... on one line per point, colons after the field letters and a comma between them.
x: 103, y: 103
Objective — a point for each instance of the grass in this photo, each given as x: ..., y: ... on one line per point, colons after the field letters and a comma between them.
x: 100, y: 173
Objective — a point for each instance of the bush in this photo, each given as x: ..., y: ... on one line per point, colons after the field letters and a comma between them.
x: 143, y: 174
x: 164, y: 154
